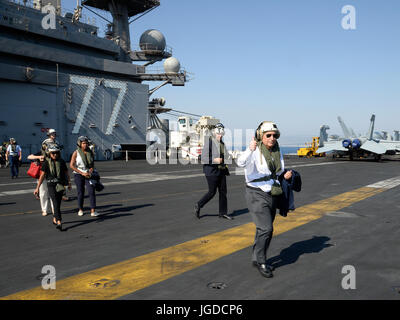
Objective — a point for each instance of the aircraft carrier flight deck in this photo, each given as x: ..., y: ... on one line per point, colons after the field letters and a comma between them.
x: 148, y: 244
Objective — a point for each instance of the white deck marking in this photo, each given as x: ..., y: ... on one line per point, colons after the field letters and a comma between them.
x: 124, y: 179
x: 240, y: 171
x: 316, y: 164
x: 386, y: 184
x: 149, y: 177
x: 33, y: 182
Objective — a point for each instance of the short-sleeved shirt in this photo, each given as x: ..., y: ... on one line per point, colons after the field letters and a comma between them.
x: 14, y: 153
x: 49, y: 177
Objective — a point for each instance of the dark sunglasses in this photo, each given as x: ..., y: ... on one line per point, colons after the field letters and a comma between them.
x: 272, y: 134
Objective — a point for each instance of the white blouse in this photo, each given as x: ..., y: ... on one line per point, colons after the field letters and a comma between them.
x: 80, y: 165
x: 254, y: 169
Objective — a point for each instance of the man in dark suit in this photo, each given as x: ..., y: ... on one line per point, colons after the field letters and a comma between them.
x: 213, y: 158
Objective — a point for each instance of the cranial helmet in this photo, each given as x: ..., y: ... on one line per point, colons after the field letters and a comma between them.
x: 81, y: 139
x: 266, y: 126
x: 219, y: 129
x: 51, y: 131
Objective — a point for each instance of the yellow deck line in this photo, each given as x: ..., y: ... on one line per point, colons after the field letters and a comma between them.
x: 116, y: 280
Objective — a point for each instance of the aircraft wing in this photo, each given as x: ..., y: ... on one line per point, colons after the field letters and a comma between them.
x: 373, y: 147
x: 332, y: 146
x: 390, y: 145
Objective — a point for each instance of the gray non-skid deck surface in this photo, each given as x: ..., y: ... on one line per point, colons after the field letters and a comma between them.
x: 138, y: 217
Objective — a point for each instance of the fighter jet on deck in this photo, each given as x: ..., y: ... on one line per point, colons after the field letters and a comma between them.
x: 360, y: 146
x: 330, y: 143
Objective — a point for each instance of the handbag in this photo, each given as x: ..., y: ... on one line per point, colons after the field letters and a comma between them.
x: 34, y: 170
x: 276, y: 189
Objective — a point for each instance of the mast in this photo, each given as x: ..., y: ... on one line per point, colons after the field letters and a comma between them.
x: 121, y: 11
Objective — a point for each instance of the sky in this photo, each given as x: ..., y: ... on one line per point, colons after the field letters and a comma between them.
x: 286, y: 61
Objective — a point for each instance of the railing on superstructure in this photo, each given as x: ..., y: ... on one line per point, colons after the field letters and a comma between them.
x: 64, y: 13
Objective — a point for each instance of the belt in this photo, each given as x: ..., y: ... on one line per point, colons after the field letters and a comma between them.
x: 54, y: 181
x: 257, y: 189
x: 265, y: 178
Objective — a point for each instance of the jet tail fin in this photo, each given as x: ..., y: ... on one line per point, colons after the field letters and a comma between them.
x: 323, y: 135
x: 346, y: 131
x: 371, y: 128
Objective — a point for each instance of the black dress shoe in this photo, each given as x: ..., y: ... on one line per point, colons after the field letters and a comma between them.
x: 225, y: 216
x: 59, y: 227
x: 197, y: 210
x: 264, y: 270
x: 270, y: 267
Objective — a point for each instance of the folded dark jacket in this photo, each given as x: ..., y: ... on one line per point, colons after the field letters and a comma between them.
x: 95, y: 181
x: 95, y: 175
x: 286, y: 199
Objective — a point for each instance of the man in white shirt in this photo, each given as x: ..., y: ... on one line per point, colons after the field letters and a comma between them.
x: 263, y: 163
x: 13, y: 156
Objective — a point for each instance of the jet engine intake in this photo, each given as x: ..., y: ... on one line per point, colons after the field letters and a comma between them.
x: 346, y: 143
x: 356, y: 144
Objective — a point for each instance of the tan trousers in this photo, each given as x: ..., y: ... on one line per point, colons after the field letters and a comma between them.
x: 45, y: 201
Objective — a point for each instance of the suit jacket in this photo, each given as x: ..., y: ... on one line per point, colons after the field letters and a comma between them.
x: 209, y: 153
x: 286, y: 199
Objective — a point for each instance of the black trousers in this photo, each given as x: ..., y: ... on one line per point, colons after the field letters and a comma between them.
x: 56, y: 198
x: 214, y: 183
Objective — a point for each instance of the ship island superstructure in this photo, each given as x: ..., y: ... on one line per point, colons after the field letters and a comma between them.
x: 61, y: 74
